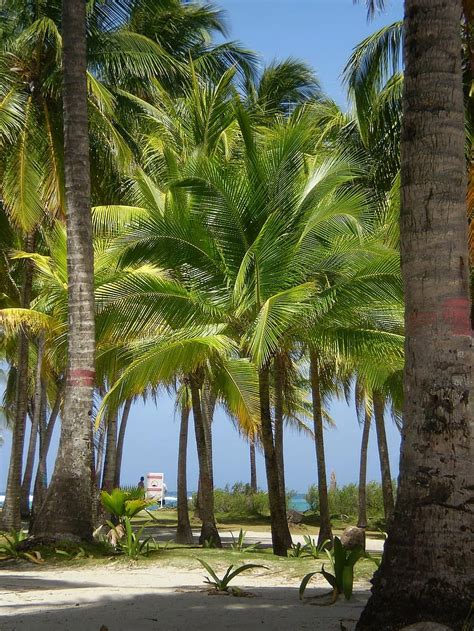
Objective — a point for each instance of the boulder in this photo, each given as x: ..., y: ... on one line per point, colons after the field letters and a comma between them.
x: 353, y: 537
x: 294, y: 516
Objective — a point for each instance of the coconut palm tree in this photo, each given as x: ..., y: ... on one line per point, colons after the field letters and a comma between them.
x: 59, y: 516
x: 435, y: 471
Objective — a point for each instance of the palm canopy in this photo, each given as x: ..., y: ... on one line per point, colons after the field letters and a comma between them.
x: 230, y: 258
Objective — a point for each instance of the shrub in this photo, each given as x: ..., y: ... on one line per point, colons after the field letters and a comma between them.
x: 239, y: 500
x: 312, y: 498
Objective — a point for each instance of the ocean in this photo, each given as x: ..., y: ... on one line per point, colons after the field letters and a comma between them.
x: 298, y: 502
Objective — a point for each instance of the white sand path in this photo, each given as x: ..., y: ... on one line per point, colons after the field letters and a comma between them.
x: 159, y: 598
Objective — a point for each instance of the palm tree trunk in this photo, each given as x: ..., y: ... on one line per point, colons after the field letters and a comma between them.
x: 426, y: 570
x: 325, y: 531
x: 110, y: 452
x: 209, y: 530
x: 35, y: 423
x: 362, y: 519
x: 10, y: 518
x: 120, y: 442
x: 208, y: 407
x: 100, y: 451
x: 281, y: 537
x: 387, y: 490
x: 279, y: 381
x: 253, y: 468
x: 39, y: 490
x: 184, y: 533
x: 67, y: 512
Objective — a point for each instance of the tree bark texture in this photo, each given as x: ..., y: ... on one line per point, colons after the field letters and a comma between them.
x: 209, y: 530
x: 121, y: 441
x: 362, y: 519
x: 279, y: 368
x: 281, y: 537
x: 41, y: 483
x: 10, y: 518
x: 253, y: 468
x: 67, y: 512
x: 184, y: 533
x: 382, y: 445
x: 427, y: 567
x: 110, y: 452
x: 325, y: 531
x: 35, y: 423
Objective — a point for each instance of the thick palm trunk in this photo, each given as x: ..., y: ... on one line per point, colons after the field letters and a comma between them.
x: 110, y: 453
x: 39, y: 491
x: 387, y: 490
x: 362, y: 519
x: 67, y: 511
x: 427, y: 566
x: 184, y: 533
x: 35, y: 423
x: 208, y: 407
x: 279, y: 381
x: 120, y: 442
x: 253, y: 468
x: 281, y: 537
x: 10, y: 518
x: 209, y: 530
x: 325, y: 531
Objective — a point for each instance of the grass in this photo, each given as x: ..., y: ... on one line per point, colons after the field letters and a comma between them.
x: 185, y: 557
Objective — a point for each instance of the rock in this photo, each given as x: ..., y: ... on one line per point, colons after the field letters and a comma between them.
x: 294, y: 516
x: 427, y: 626
x: 353, y: 537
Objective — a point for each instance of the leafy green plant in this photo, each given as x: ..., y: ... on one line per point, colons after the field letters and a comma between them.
x: 121, y: 503
x: 312, y: 548
x: 342, y: 562
x: 209, y: 544
x: 312, y: 497
x: 297, y: 551
x: 78, y: 554
x: 238, y: 545
x: 129, y: 542
x: 222, y: 584
x: 11, y: 548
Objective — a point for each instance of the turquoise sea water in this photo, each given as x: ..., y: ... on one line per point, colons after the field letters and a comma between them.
x: 297, y: 503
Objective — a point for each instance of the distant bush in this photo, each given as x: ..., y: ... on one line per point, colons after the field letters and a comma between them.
x: 344, y: 500
x: 312, y: 498
x: 240, y: 500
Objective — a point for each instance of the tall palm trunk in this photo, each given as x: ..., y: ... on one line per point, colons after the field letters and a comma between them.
x: 184, y: 533
x: 10, y: 518
x: 387, y: 490
x: 325, y: 531
x: 362, y: 519
x: 110, y: 452
x: 208, y: 407
x: 39, y: 490
x: 253, y: 468
x: 35, y: 423
x: 67, y: 511
x: 100, y: 452
x: 120, y: 442
x: 279, y: 386
x: 209, y: 530
x: 281, y: 537
x: 426, y: 570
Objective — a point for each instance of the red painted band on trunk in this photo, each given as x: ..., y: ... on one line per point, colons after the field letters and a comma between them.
x: 457, y: 315
x: 81, y: 377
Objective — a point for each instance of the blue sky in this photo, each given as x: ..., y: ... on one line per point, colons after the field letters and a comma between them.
x: 322, y: 33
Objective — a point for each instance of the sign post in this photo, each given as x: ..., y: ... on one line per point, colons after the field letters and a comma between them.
x: 154, y: 487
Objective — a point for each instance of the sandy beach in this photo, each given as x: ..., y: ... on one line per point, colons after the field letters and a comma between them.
x: 157, y: 597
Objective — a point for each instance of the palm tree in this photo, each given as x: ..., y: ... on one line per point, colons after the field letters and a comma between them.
x: 184, y: 534
x: 435, y: 469
x: 65, y: 514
